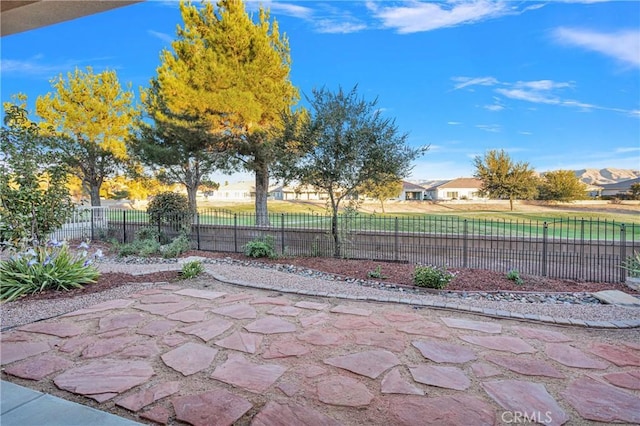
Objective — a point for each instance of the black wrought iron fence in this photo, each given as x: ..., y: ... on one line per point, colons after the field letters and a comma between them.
x: 569, y: 248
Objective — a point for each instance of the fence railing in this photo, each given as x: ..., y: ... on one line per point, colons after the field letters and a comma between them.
x: 570, y: 248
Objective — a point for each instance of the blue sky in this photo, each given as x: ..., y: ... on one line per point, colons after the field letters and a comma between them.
x: 556, y: 84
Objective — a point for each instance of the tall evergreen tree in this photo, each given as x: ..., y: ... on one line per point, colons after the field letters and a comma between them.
x: 233, y: 74
x: 91, y: 115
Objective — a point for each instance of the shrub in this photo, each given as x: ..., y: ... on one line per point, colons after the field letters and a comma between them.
x: 376, y: 273
x: 170, y: 208
x: 144, y: 248
x: 191, y: 269
x: 261, y: 247
x: 431, y: 277
x: 176, y: 247
x: 147, y: 233
x: 632, y: 264
x: 514, y: 275
x: 50, y: 267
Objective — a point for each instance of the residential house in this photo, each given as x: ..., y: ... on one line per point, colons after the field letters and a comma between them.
x: 298, y: 192
x: 411, y: 192
x: 618, y: 188
x: 456, y: 189
x: 239, y: 191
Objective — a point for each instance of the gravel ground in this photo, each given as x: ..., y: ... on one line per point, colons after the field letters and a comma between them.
x: 23, y: 312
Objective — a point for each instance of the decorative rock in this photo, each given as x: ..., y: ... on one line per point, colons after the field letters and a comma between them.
x: 190, y: 358
x: 443, y: 377
x: 38, y: 368
x: 350, y: 310
x: 485, y: 327
x: 101, y: 377
x: 357, y: 323
x: 319, y: 337
x: 445, y: 410
x: 270, y: 325
x: 76, y: 343
x: 598, y: 401
x: 313, y: 371
x: 274, y: 414
x: 157, y: 414
x: 394, y: 383
x: 544, y: 335
x: 157, y: 328
x: 100, y: 307
x: 444, y: 352
x: 164, y: 308
x: 188, y: 316
x: 620, y: 356
x: 285, y: 311
x: 141, y: 350
x: 527, y: 366
x: 628, y: 379
x: 145, y: 397
x: 174, y: 340
x: 288, y: 388
x: 200, y: 294
x: 54, y: 329
x: 12, y: 352
x: 283, y: 349
x: 218, y: 407
x: 343, y: 391
x: 482, y: 370
x: 572, y: 357
x: 104, y: 347
x: 243, y: 342
x: 526, y: 397
x: 115, y: 322
x: 500, y: 343
x: 425, y: 329
x: 311, y: 305
x: 237, y: 371
x: 237, y: 311
x: 317, y: 319
x: 207, y: 330
x: 369, y: 363
x: 390, y: 341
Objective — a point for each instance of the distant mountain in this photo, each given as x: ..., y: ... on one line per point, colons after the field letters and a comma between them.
x: 605, y: 176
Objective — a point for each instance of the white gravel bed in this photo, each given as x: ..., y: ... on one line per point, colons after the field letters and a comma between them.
x: 23, y: 311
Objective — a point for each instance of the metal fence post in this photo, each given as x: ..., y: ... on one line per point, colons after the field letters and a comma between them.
x: 235, y: 232
x: 465, y: 244
x: 623, y: 252
x: 124, y: 226
x: 92, y: 230
x: 282, y: 233
x: 396, y: 240
x: 545, y: 231
x: 198, y: 229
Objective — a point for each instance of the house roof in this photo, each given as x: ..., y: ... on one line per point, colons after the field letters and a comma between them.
x: 624, y: 185
x: 411, y: 187
x: 458, y: 183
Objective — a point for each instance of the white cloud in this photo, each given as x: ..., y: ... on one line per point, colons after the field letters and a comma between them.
x: 627, y: 149
x: 162, y: 36
x: 528, y: 95
x: 288, y: 9
x: 525, y: 133
x: 453, y: 123
x: 542, y: 84
x: 622, y: 45
x: 463, y: 82
x: 36, y: 67
x: 493, y: 128
x: 419, y: 16
x: 494, y: 107
x: 330, y: 26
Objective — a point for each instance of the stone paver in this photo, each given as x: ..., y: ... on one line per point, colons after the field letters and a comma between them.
x: 425, y: 329
x: 544, y: 335
x: 350, y: 310
x: 315, y: 319
x: 16, y: 351
x: 237, y: 371
x: 239, y: 341
x: 188, y: 316
x: 118, y: 321
x: 500, y: 343
x: 393, y: 382
x: 402, y: 317
x: 525, y: 365
x: 285, y: 311
x: 572, y: 357
x: 617, y: 297
x: 101, y: 307
x: 483, y: 370
x: 158, y: 414
x: 320, y: 337
x: 284, y: 349
x: 485, y: 327
x: 201, y: 294
x: 526, y: 397
x: 161, y: 298
x: 628, y: 379
x: 207, y: 330
x: 217, y: 407
x: 237, y: 311
x: 270, y: 325
x: 140, y: 350
x: 620, y: 356
x: 357, y: 323
x: 274, y: 414
x: 598, y: 401
x: 37, y: 368
x: 164, y: 308
x: 312, y: 305
x: 141, y: 399
x: 447, y: 410
x: 442, y: 377
x: 343, y: 391
x: 102, y: 347
x: 444, y: 352
x: 53, y: 329
x: 385, y: 340
x: 157, y: 328
x: 369, y: 363
x: 190, y: 358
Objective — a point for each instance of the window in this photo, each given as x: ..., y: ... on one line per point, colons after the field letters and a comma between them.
x: 452, y: 194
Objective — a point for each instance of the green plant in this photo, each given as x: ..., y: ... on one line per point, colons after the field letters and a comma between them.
x: 191, y: 269
x: 376, y: 273
x: 632, y: 264
x: 46, y: 267
x: 514, y: 276
x: 170, y: 208
x: 176, y: 247
x: 261, y: 247
x: 143, y: 248
x: 431, y: 277
x: 147, y: 233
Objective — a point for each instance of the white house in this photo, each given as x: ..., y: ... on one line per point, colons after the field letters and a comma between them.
x: 618, y: 188
x: 456, y: 189
x: 298, y: 192
x: 412, y: 192
x: 239, y: 191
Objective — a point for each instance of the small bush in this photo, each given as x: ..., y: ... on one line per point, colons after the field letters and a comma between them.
x: 176, y: 247
x: 261, y: 247
x: 170, y: 208
x: 144, y: 248
x: 376, y: 273
x: 632, y: 264
x: 191, y: 269
x: 50, y: 267
x: 514, y: 275
x: 147, y: 233
x: 431, y: 277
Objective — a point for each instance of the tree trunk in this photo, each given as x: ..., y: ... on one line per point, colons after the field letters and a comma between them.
x: 511, y: 203
x: 191, y: 196
x: 94, y: 193
x: 382, y: 205
x: 262, y: 189
x: 337, y: 246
